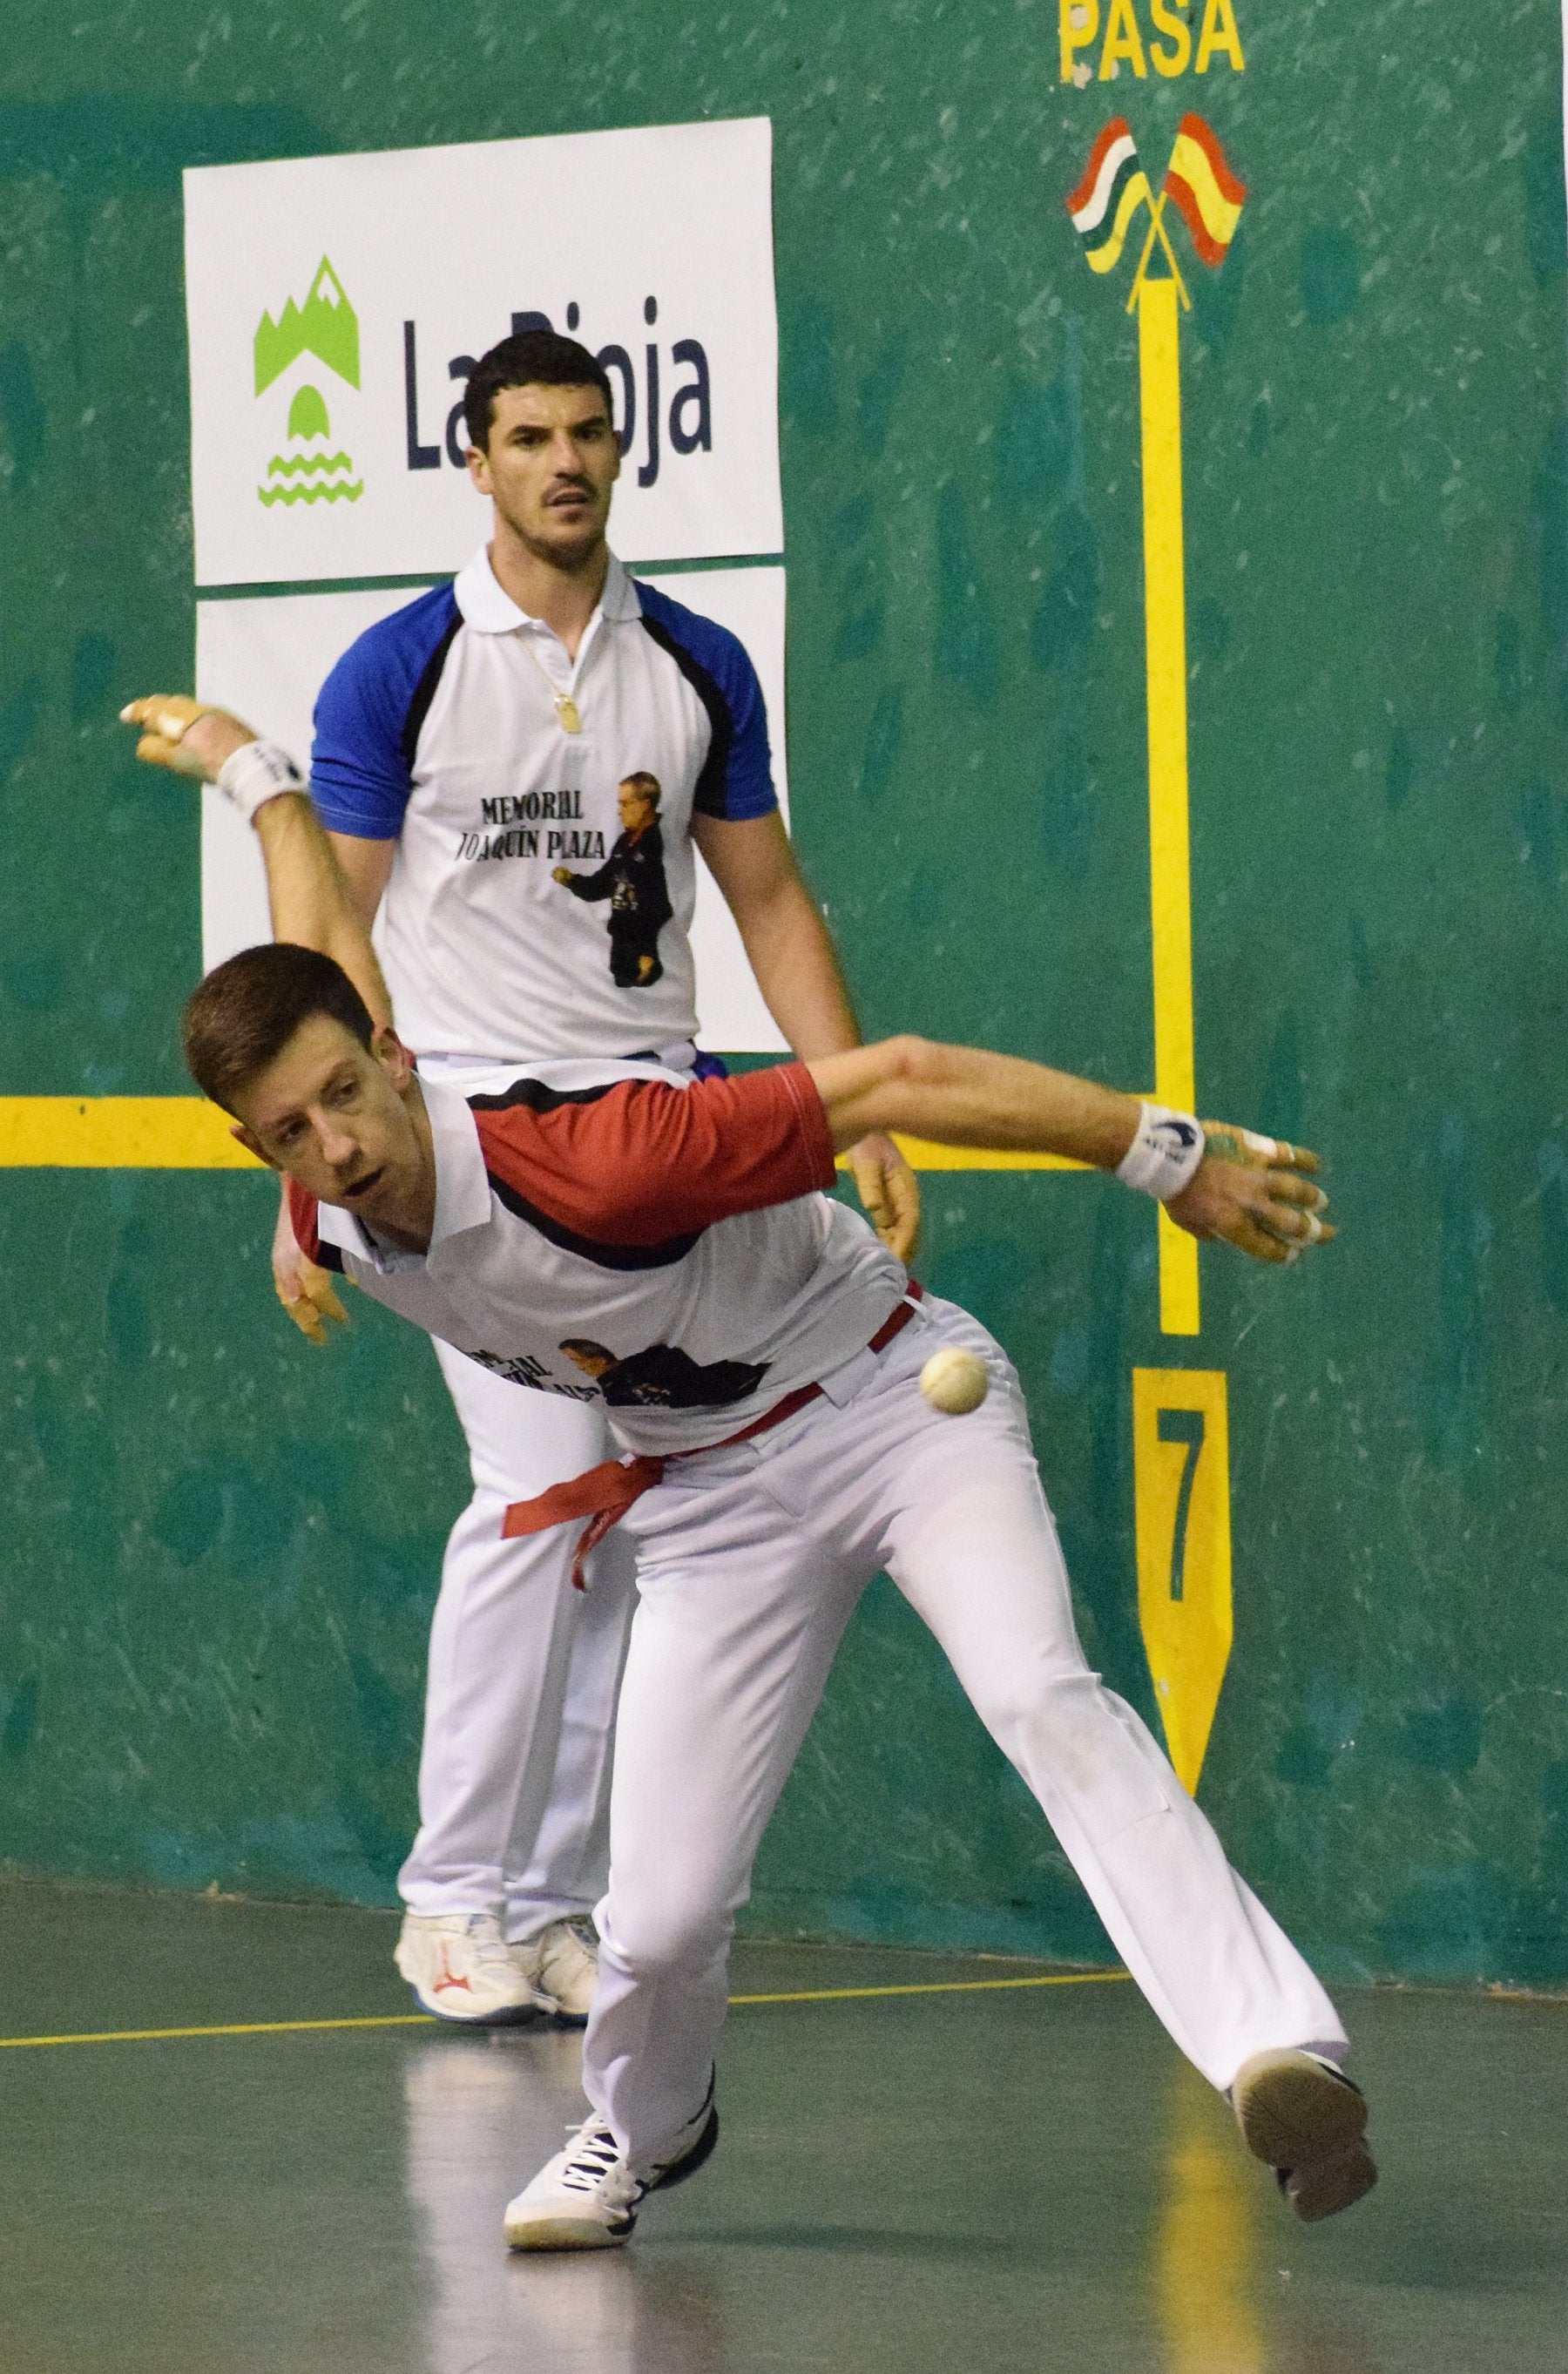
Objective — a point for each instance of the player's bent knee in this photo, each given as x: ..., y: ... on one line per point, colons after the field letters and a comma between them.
x: 657, y: 1940
x: 1081, y: 1747
x: 1020, y: 1694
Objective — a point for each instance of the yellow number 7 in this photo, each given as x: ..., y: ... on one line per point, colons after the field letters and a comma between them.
x: 1181, y: 1471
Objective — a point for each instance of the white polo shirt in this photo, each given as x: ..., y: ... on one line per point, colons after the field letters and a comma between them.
x: 445, y: 727
x: 637, y: 1239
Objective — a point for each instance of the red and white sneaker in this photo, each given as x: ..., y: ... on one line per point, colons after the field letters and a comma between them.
x: 459, y: 1967
x: 1304, y: 2118
x: 587, y: 2198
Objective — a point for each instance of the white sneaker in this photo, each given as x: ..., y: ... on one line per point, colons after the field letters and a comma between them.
x: 561, y: 1966
x: 587, y: 2198
x: 1304, y: 2117
x: 460, y: 1968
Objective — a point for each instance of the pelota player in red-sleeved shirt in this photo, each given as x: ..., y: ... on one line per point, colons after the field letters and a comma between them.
x: 623, y: 1209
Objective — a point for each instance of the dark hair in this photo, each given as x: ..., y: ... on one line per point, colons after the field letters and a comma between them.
x: 530, y: 358
x: 246, y: 1011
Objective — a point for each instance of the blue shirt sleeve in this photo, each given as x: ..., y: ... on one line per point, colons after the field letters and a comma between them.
x: 736, y: 780
x: 369, y: 715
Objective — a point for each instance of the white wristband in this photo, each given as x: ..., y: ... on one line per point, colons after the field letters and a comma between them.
x: 259, y: 772
x: 1164, y: 1154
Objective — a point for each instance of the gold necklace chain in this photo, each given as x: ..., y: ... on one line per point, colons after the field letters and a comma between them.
x: 565, y: 707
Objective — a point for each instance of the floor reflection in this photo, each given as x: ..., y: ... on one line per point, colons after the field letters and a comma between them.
x: 481, y: 2115
x: 1206, y: 2254
x: 1216, y: 2258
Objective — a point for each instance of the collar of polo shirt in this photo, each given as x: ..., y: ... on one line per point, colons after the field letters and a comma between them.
x: 463, y: 1188
x: 490, y: 611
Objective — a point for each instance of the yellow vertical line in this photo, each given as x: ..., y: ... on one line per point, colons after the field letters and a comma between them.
x: 1165, y: 627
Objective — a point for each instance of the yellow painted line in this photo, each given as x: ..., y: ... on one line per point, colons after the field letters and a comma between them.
x: 425, y: 2019
x: 252, y: 2028
x: 117, y: 1132
x: 188, y: 1134
x: 939, y: 1987
x: 1165, y: 623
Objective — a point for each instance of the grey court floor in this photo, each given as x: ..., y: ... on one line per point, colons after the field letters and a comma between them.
x: 1012, y: 2177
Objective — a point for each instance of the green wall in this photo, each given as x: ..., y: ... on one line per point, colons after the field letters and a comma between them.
x: 220, y: 1550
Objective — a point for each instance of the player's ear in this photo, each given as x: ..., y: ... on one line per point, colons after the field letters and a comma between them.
x: 253, y: 1145
x: 392, y: 1056
x: 479, y: 469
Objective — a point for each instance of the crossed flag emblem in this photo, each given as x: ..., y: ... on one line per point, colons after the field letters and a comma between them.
x: 1199, y: 182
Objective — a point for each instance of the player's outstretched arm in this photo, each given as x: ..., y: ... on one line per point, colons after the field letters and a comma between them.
x: 1214, y: 1181
x: 310, y: 902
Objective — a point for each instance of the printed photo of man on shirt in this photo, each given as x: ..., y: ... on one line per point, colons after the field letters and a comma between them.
x: 632, y: 878
x: 663, y: 1377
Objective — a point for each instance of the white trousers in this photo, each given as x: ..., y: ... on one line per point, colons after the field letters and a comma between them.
x: 751, y: 1561
x: 519, y: 1701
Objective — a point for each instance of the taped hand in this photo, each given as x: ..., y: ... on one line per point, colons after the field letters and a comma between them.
x: 304, y: 1289
x: 890, y: 1193
x: 166, y: 720
x: 1255, y: 1193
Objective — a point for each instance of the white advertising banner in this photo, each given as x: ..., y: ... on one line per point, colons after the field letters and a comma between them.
x: 265, y: 658
x: 336, y: 305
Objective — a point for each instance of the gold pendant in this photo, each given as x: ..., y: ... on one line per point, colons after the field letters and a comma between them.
x: 566, y: 710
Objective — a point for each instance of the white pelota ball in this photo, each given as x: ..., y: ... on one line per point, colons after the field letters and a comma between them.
x: 954, y: 1381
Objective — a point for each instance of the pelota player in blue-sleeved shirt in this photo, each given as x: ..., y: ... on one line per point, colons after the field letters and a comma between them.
x: 441, y: 731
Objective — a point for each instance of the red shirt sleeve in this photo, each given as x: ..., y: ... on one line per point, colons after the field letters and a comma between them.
x: 641, y: 1163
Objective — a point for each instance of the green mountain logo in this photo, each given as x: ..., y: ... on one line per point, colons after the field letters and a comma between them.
x: 326, y: 327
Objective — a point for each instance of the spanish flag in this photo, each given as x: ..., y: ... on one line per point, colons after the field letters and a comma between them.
x: 1113, y: 186
x: 1203, y: 188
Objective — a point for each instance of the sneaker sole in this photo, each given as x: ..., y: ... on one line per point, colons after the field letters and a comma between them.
x: 566, y: 2234
x: 559, y: 2018
x: 510, y: 2015
x: 1309, y: 2127
x: 1330, y: 2185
